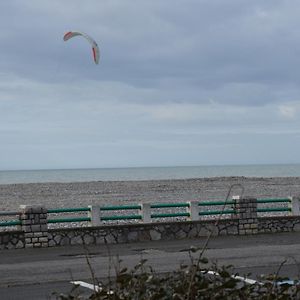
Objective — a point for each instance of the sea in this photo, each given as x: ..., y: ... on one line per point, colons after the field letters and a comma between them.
x: 148, y: 173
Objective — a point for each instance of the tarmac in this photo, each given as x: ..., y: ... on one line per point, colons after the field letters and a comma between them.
x: 37, y: 273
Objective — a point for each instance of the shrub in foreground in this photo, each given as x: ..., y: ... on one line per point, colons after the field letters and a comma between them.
x: 198, y: 280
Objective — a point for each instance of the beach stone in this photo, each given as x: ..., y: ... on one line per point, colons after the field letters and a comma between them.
x: 132, y: 236
x: 76, y: 240
x: 43, y: 239
x: 75, y: 194
x: 122, y: 238
x: 110, y: 239
x: 51, y: 243
x: 144, y: 236
x: 57, y: 239
x: 5, y: 239
x: 71, y: 234
x: 38, y: 234
x: 99, y: 240
x: 19, y: 245
x: 155, y: 235
x: 296, y: 227
x: 193, y: 232
x: 88, y: 239
x: 232, y: 230
x: 65, y: 241
x: 10, y: 246
x: 180, y: 234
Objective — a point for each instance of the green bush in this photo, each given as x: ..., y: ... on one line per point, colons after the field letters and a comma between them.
x: 198, y: 280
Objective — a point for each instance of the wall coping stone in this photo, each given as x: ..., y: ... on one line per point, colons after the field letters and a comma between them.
x: 141, y: 225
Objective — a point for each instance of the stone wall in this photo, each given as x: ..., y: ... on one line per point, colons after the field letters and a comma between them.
x: 34, y: 225
x: 246, y: 214
x: 278, y: 224
x: 12, y: 240
x: 140, y: 232
x: 34, y: 232
x: 166, y: 231
x: 149, y: 232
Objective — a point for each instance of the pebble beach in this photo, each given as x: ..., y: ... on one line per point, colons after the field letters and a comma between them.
x: 81, y: 194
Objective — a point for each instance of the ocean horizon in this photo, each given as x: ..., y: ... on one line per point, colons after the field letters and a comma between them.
x: 147, y: 173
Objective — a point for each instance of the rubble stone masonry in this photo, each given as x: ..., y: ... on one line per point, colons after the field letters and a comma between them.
x: 34, y: 232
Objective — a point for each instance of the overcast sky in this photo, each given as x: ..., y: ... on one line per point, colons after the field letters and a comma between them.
x: 190, y: 82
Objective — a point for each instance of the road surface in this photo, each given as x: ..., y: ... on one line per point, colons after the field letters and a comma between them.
x: 36, y: 273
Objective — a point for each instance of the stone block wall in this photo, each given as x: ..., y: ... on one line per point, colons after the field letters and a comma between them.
x: 34, y: 225
x: 246, y: 214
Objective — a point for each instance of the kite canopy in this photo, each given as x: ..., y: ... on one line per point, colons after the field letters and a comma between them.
x: 95, y: 48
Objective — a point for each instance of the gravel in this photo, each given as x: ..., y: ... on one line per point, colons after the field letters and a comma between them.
x: 80, y: 194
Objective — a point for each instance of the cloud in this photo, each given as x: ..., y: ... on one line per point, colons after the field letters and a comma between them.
x: 289, y: 111
x: 170, y: 73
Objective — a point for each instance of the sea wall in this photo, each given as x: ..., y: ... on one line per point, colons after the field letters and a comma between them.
x: 33, y: 231
x: 12, y: 240
x: 165, y: 231
x: 145, y: 232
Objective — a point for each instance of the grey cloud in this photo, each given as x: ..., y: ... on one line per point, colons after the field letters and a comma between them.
x: 171, y: 73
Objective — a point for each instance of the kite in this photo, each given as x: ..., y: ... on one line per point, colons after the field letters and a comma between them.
x: 95, y: 48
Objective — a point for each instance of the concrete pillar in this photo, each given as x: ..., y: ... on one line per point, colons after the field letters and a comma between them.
x: 34, y: 225
x: 193, y: 210
x: 95, y: 215
x: 246, y: 214
x: 235, y: 199
x: 295, y: 206
x: 146, y: 212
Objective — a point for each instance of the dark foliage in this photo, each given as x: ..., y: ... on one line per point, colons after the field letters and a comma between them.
x: 198, y: 280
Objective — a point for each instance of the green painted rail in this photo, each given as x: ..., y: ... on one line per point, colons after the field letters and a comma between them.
x: 153, y: 215
x: 9, y: 213
x: 170, y: 215
x: 64, y: 210
x: 137, y: 206
x: 69, y: 220
x: 216, y: 212
x: 114, y: 218
x: 212, y: 203
x: 169, y: 205
x: 274, y: 209
x: 10, y: 223
x: 121, y: 207
x: 276, y: 200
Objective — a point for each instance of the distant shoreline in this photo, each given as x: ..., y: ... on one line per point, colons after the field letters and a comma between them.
x: 148, y: 173
x: 78, y: 194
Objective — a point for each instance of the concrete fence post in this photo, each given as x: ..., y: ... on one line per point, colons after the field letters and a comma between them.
x: 95, y: 215
x: 295, y: 206
x: 34, y: 225
x: 193, y: 210
x: 246, y: 214
x: 146, y: 212
x: 235, y: 199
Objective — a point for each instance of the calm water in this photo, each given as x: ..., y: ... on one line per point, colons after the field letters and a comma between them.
x: 147, y: 173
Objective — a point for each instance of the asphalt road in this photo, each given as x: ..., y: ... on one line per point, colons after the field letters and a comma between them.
x: 37, y: 273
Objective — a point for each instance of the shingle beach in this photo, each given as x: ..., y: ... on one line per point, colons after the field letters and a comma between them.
x: 79, y: 194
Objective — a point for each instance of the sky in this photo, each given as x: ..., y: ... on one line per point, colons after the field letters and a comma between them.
x: 179, y: 83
